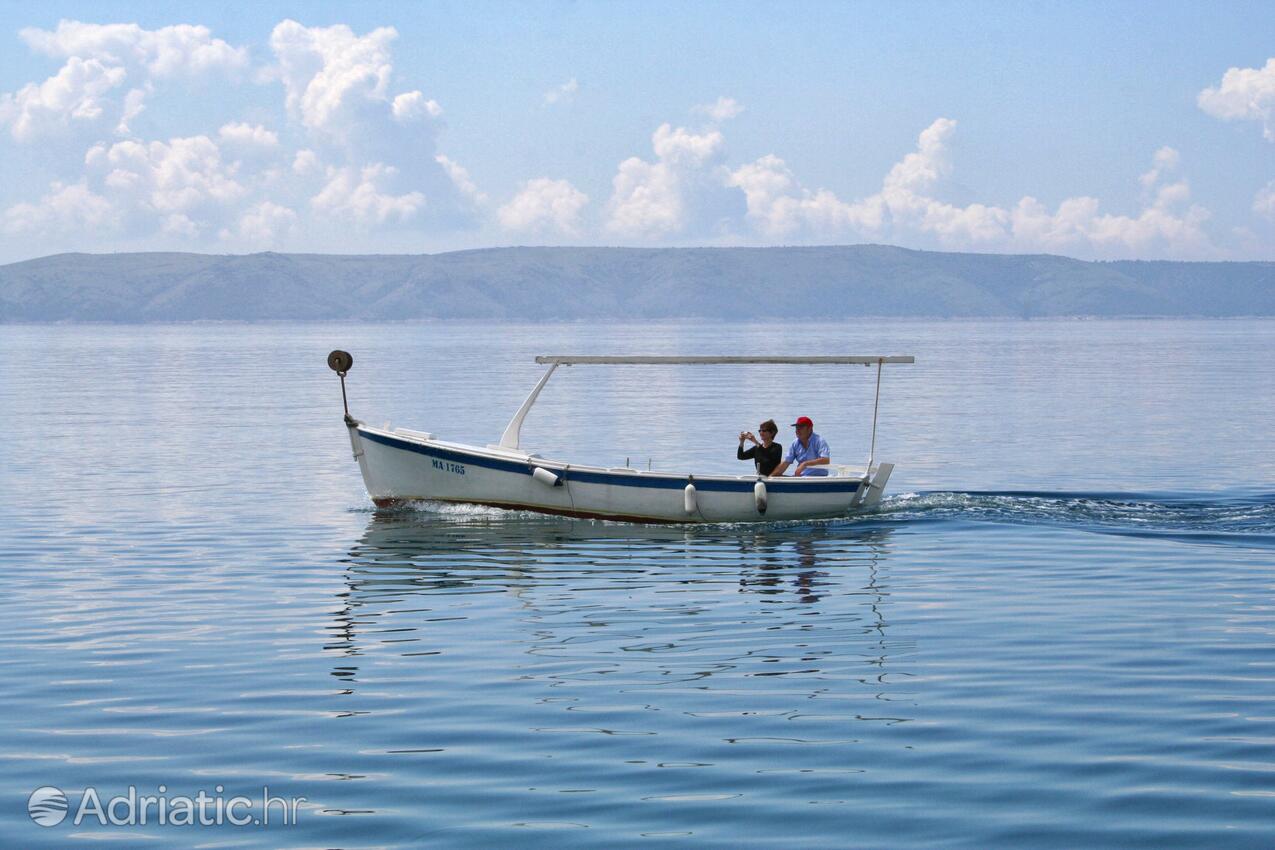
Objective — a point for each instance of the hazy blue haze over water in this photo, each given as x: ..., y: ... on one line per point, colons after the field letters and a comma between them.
x: 1057, y: 632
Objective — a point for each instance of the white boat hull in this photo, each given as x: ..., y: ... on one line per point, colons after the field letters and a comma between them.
x: 401, y: 466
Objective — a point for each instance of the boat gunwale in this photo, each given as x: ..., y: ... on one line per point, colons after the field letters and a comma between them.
x: 512, y: 461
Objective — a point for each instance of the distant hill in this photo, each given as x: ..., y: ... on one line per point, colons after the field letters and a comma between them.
x: 525, y: 284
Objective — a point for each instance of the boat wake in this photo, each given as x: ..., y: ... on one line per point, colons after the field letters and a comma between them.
x: 1247, y: 520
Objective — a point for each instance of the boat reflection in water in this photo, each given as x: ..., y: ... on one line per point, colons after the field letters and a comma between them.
x: 647, y: 609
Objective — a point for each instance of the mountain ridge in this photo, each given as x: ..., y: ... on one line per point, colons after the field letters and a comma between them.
x: 611, y: 284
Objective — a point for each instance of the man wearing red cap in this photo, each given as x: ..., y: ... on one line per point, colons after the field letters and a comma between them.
x: 809, y: 451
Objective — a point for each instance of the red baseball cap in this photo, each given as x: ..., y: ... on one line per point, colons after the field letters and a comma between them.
x: 803, y: 420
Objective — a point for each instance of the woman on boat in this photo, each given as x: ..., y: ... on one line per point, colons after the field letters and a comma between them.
x: 765, y: 452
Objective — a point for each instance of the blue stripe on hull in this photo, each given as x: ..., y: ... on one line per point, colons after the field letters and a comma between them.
x: 773, y: 485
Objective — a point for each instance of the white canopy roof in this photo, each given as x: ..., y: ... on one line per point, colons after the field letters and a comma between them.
x: 510, y: 439
x: 657, y: 360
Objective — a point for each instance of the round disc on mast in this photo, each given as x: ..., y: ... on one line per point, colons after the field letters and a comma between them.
x: 340, y: 361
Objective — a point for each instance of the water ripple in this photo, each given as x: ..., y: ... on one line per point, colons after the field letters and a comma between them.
x: 1052, y: 664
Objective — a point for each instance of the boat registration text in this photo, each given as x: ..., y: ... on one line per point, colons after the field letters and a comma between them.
x: 447, y: 466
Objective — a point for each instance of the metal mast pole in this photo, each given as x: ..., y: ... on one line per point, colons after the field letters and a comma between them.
x: 876, y: 403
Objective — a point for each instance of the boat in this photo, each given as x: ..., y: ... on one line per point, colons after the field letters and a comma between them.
x: 402, y: 465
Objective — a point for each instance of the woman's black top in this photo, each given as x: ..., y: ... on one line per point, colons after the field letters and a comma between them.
x: 765, y: 458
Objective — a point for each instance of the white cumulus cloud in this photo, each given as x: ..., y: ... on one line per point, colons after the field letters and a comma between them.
x: 1166, y: 159
x: 186, y: 175
x: 723, y: 109
x: 337, y: 83
x: 73, y: 207
x: 178, y: 188
x: 242, y: 135
x: 563, y: 93
x: 682, y: 147
x: 179, y: 224
x: 168, y: 51
x: 681, y: 191
x: 906, y: 194
x: 412, y: 106
x: 364, y: 196
x: 1168, y: 225
x: 646, y: 201
x: 907, y: 207
x: 1244, y: 94
x: 923, y: 167
x: 134, y: 105
x: 1264, y: 201
x: 100, y: 59
x: 306, y: 162
x: 75, y: 94
x: 461, y: 180
x: 263, y: 224
x: 544, y: 206
x: 778, y: 207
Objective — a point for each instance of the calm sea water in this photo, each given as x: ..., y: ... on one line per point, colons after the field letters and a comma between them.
x: 1059, y: 631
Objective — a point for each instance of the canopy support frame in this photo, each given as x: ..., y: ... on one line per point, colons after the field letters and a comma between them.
x: 509, y: 439
x: 512, y: 435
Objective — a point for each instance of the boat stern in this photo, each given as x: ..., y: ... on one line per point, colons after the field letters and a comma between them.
x: 876, y: 485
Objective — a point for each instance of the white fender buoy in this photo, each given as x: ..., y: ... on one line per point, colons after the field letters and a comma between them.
x: 545, y: 477
x: 690, y: 498
x: 759, y: 496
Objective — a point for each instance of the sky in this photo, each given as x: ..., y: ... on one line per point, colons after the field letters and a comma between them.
x: 1092, y: 130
